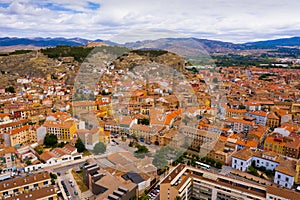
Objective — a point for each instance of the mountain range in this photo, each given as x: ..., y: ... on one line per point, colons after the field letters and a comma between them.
x: 188, y: 46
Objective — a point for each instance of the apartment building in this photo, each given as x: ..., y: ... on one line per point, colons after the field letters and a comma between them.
x: 64, y: 130
x: 286, y: 173
x: 187, y: 182
x: 46, y: 193
x: 18, y: 136
x: 108, y: 186
x: 23, y: 185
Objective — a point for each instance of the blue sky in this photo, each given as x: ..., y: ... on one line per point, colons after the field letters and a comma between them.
x: 226, y: 20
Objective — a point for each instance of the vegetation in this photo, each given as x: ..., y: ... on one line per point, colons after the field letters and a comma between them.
x: 99, y: 148
x: 151, y: 53
x: 80, y: 146
x: 80, y: 53
x: 253, y: 171
x: 240, y: 60
x: 28, y: 162
x: 145, y: 121
x: 78, y: 176
x: 10, y: 89
x: 141, y: 151
x: 50, y: 140
x: 54, y: 176
x: 39, y: 149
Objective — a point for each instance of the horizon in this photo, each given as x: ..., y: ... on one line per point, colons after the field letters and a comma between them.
x: 231, y: 21
x: 138, y: 40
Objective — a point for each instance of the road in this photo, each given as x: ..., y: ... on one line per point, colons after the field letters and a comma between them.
x: 66, y: 177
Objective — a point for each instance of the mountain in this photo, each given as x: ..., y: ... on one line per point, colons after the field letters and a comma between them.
x: 43, y: 42
x: 293, y: 41
x: 186, y: 46
x: 182, y: 46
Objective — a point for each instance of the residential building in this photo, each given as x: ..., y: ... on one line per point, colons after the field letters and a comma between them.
x: 64, y: 130
x: 273, y: 120
x: 260, y: 117
x: 108, y: 186
x: 188, y: 182
x: 89, y: 137
x: 21, y: 185
x: 20, y: 136
x: 8, y: 157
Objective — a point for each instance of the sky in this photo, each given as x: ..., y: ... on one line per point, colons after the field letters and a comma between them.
x: 235, y: 21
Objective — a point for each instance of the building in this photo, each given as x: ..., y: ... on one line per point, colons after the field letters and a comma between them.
x: 20, y: 136
x: 231, y: 112
x: 45, y: 193
x: 286, y: 173
x: 260, y: 117
x: 60, y: 155
x: 107, y: 186
x: 8, y: 157
x: 89, y: 137
x: 22, y: 185
x: 64, y: 130
x: 273, y: 120
x: 187, y: 182
x: 241, y: 125
x: 275, y: 143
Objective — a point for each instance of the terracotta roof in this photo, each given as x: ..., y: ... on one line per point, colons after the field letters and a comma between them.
x: 286, y: 167
x: 243, y: 154
x: 37, y: 194
x: 258, y: 113
x: 8, y: 150
x: 45, y: 156
x: 281, y: 192
x: 69, y: 148
x: 20, y: 181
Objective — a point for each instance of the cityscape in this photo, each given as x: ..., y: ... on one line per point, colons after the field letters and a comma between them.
x: 148, y: 113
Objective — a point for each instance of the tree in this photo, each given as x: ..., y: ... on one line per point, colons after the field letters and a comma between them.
x: 215, y: 80
x: 50, y: 140
x: 10, y: 89
x: 28, y: 162
x: 145, y: 121
x: 53, y: 176
x: 159, y: 161
x: 99, y: 148
x: 218, y: 165
x: 141, y: 149
x: 79, y: 145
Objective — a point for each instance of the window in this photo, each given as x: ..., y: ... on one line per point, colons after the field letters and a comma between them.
x: 35, y: 185
x: 26, y: 187
x: 287, y: 179
x: 16, y: 190
x: 278, y: 176
x: 45, y: 182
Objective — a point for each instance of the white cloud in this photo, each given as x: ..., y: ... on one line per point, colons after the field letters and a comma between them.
x: 231, y: 20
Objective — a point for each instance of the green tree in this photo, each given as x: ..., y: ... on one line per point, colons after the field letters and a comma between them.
x: 141, y: 149
x: 10, y: 89
x: 39, y: 149
x: 79, y: 145
x: 28, y: 162
x: 99, y: 148
x: 145, y: 121
x: 159, y: 161
x: 50, y: 140
x: 219, y: 165
x: 53, y: 176
x: 215, y: 80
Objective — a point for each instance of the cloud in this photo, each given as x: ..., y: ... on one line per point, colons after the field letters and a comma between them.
x: 231, y: 20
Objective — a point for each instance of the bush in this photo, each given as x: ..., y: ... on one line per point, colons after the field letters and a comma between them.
x: 99, y: 148
x: 219, y: 165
